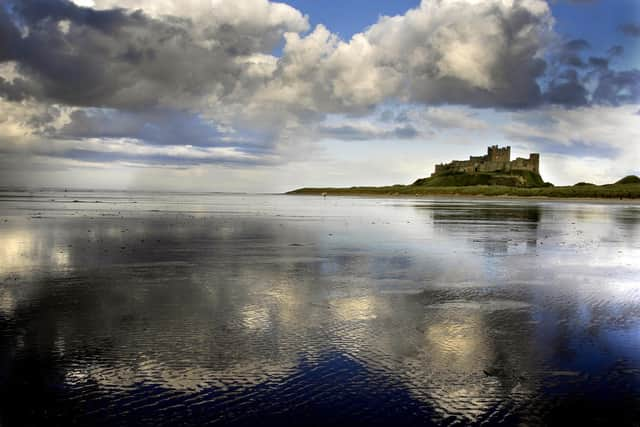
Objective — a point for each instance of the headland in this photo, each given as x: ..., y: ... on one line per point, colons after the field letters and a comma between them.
x: 493, y: 174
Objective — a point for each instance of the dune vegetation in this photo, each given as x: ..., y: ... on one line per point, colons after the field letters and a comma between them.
x: 475, y: 185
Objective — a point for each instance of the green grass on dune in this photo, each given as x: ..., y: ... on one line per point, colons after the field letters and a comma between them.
x: 516, y: 178
x: 630, y: 179
x: 629, y: 189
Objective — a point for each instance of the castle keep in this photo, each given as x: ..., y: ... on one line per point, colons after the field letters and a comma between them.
x: 496, y: 160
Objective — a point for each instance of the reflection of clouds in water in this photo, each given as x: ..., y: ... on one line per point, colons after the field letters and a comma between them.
x: 15, y: 246
x: 23, y: 253
x: 256, y: 317
x: 462, y: 350
x: 604, y: 258
x: 180, y: 351
x: 61, y: 258
x: 211, y: 336
x: 354, y: 309
x: 457, y: 344
x: 187, y: 378
x: 7, y: 302
x: 23, y: 250
x: 443, y: 362
x: 454, y: 312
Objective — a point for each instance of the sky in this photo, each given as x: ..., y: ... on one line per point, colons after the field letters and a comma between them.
x: 264, y: 96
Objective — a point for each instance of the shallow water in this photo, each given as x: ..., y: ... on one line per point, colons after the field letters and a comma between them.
x: 169, y: 309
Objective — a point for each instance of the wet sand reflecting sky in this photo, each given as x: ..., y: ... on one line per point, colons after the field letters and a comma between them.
x: 152, y: 309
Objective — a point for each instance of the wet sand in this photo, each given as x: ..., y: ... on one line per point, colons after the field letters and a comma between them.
x: 152, y: 309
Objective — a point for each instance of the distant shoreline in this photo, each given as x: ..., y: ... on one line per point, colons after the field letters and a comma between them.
x: 621, y: 193
x: 602, y: 200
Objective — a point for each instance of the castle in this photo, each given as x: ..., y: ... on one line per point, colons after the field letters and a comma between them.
x: 496, y: 160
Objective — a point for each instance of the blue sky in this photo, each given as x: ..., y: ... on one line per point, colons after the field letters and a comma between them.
x: 599, y: 22
x: 254, y: 95
x: 349, y: 17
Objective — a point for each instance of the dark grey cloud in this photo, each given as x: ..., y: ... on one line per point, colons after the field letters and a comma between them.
x: 577, y: 81
x: 575, y: 148
x: 516, y: 69
x: 156, y: 127
x: 630, y: 29
x: 569, y: 93
x: 616, y: 50
x: 115, y: 58
x: 567, y: 89
x: 177, y: 160
x: 16, y: 90
x: 108, y: 21
x: 577, y: 45
x: 573, y: 60
x: 354, y: 133
x: 599, y: 63
x: 386, y: 116
x: 569, y: 54
x: 618, y: 87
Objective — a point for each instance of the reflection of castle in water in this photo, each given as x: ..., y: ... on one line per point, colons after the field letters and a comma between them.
x: 497, y: 226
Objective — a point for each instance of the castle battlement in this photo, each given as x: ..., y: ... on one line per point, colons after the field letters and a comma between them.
x: 497, y: 159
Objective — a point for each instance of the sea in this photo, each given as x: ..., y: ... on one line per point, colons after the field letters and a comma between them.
x: 175, y: 309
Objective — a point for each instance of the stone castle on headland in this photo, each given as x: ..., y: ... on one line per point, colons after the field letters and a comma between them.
x: 496, y: 160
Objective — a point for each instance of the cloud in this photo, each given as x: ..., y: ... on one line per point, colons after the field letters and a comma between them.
x: 257, y: 17
x: 600, y: 63
x: 127, y: 59
x: 400, y: 122
x: 577, y: 45
x: 155, y: 127
x: 618, y: 87
x: 30, y: 130
x: 570, y: 92
x: 366, y: 133
x: 616, y: 50
x: 136, y: 153
x: 591, y: 132
x: 630, y: 29
x: 452, y: 118
x: 179, y: 83
x: 458, y: 52
x: 574, y: 81
x: 569, y: 54
x: 215, y: 58
x: 592, y: 144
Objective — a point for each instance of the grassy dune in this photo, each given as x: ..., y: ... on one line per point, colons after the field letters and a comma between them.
x: 627, y: 188
x: 516, y: 178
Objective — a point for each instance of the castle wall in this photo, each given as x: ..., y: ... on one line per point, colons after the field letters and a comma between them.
x: 497, y: 159
x: 531, y: 164
x: 493, y: 166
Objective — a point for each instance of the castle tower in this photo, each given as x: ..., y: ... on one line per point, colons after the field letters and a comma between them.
x: 495, y: 154
x: 534, y: 161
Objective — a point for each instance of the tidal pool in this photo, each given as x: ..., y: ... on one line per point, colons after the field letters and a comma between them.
x: 195, y: 309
